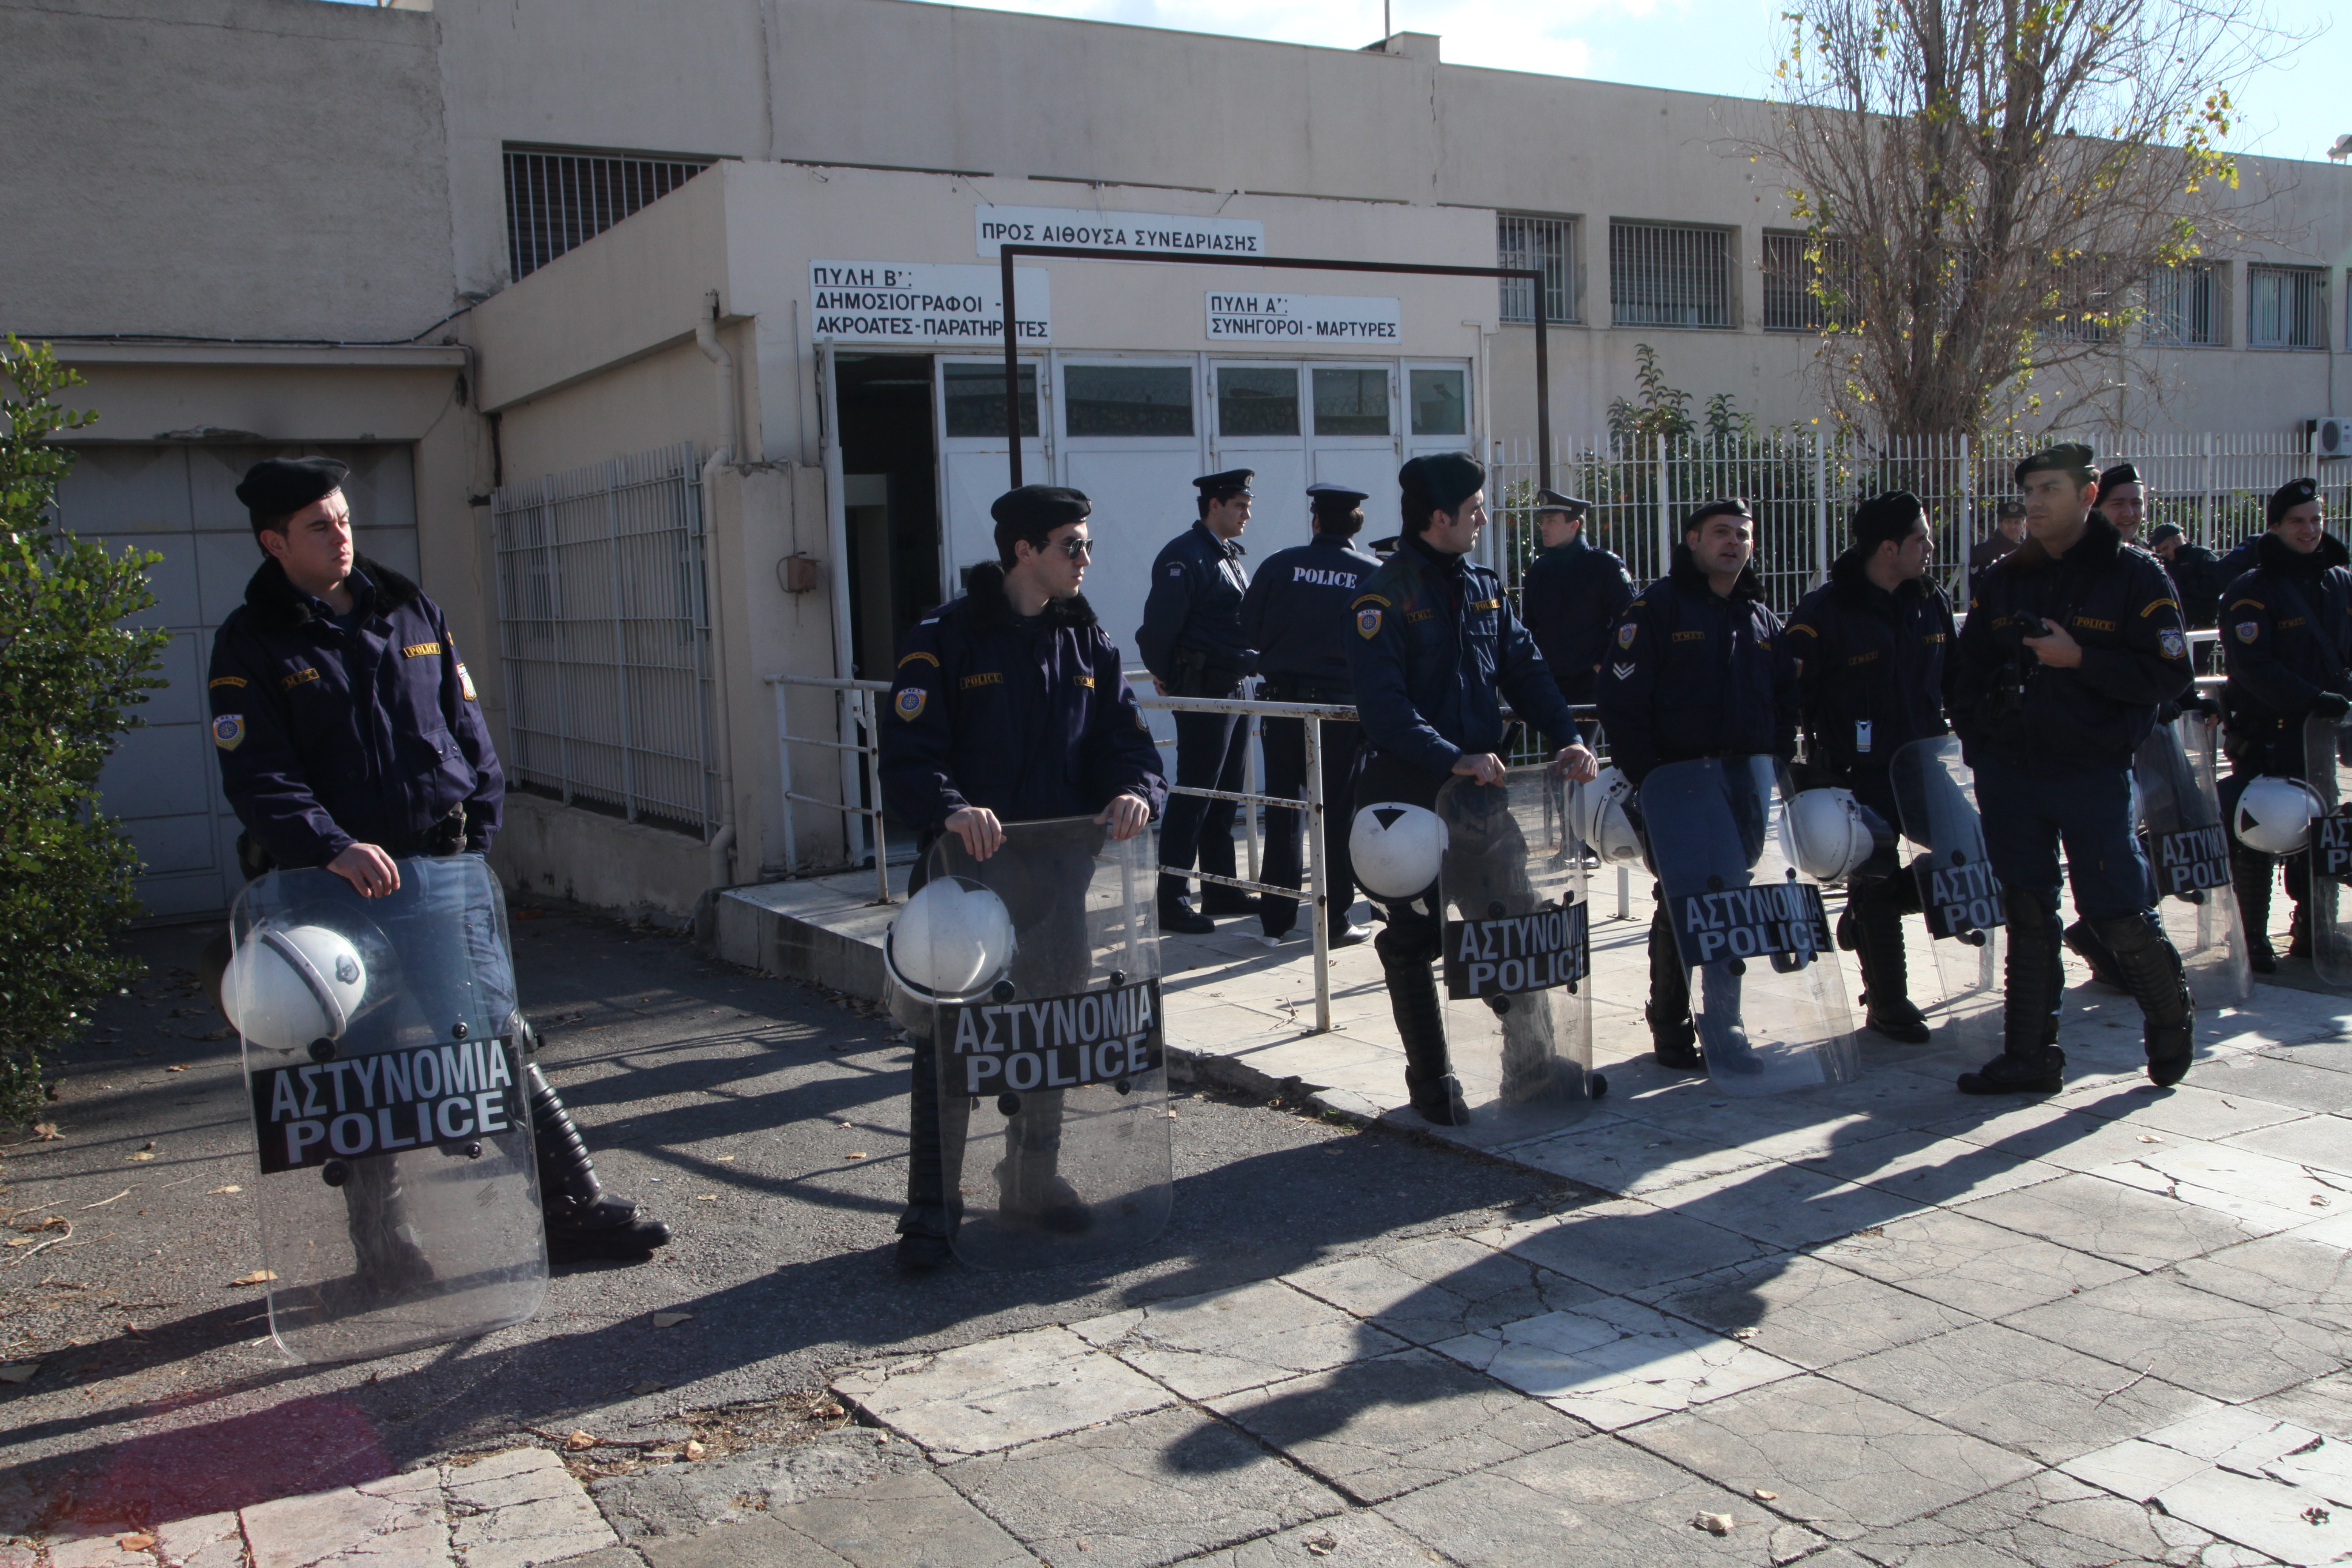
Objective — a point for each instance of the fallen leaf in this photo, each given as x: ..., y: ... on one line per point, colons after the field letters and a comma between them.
x: 46, y: 1132
x: 137, y: 1541
x: 181, y: 1069
x: 1713, y: 1523
x: 828, y: 1411
x: 723, y: 1159
x: 1743, y: 1333
x: 2317, y: 1516
x: 230, y: 1188
x: 258, y: 1277
x: 857, y: 1153
x: 144, y: 1155
x: 579, y: 1439
x: 19, y: 1371
x: 641, y: 1389
x: 22, y: 1241
x: 1872, y: 1230
x: 694, y: 1449
x: 706, y: 1197
x: 1760, y: 1494
x: 1322, y: 1546
x: 2318, y: 1200
x: 671, y: 1319
x: 2149, y: 1138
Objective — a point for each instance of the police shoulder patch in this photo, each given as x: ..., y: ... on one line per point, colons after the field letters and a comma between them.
x: 466, y: 683
x: 909, y: 703
x: 220, y: 680
x: 1626, y: 632
x: 2173, y: 644
x: 918, y: 656
x: 228, y: 731
x: 1368, y: 624
x: 2248, y: 630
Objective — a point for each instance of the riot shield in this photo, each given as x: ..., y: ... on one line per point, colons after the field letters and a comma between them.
x: 1518, y: 1009
x: 2187, y: 850
x: 1771, y: 1013
x: 2327, y: 742
x: 1960, y: 898
x: 398, y: 1197
x: 1043, y: 967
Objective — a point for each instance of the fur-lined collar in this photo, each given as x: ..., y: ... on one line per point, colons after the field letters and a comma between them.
x: 279, y: 606
x: 1850, y: 582
x: 991, y: 609
x: 1686, y: 575
x: 2100, y: 546
x: 2271, y: 554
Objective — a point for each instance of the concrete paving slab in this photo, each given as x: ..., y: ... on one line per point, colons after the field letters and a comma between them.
x: 2107, y: 1219
x: 2185, y: 1111
x: 750, y: 1542
x: 1634, y: 1157
x: 1355, y: 1539
x: 1441, y: 1288
x: 2048, y: 1521
x: 2257, y: 1188
x: 519, y: 1508
x: 1951, y: 1257
x: 1202, y: 1346
x: 100, y: 1550
x: 2064, y: 1135
x: 2317, y: 1142
x: 671, y: 1501
x: 2324, y: 1405
x: 1803, y: 1309
x: 2283, y: 1273
x: 2281, y: 1080
x: 910, y: 1521
x: 208, y: 1540
x: 2220, y: 1471
x: 1924, y: 1167
x: 2157, y: 1325
x: 1141, y: 1492
x: 1786, y: 1206
x: 1622, y: 1246
x: 999, y: 1392
x: 396, y: 1523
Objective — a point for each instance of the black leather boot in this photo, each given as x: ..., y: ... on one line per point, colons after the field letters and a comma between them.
x: 2082, y: 938
x: 392, y: 1267
x: 1877, y: 934
x: 2160, y: 986
x: 584, y: 1220
x: 1406, y: 946
x: 2251, y: 875
x: 928, y: 1223
x: 2030, y: 1060
x: 1674, y: 1038
x: 1177, y: 915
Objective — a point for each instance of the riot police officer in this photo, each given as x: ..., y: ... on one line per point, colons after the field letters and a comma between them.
x: 1871, y: 646
x: 1697, y: 666
x: 1437, y: 648
x: 1192, y: 642
x: 1571, y: 595
x: 1296, y: 615
x: 348, y: 736
x: 2073, y: 644
x: 2287, y: 637
x: 1009, y: 706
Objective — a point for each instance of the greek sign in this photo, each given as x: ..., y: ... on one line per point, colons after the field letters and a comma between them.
x: 2189, y: 861
x: 1304, y: 318
x: 994, y: 227
x: 924, y: 303
x: 1055, y: 1042
x: 366, y: 1106
x: 1960, y: 899
x: 2331, y: 848
x: 1513, y: 953
x: 1768, y: 919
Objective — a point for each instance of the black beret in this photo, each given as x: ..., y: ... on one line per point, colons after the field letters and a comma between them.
x: 281, y: 487
x: 1035, y: 507
x: 1448, y: 478
x: 2121, y: 474
x: 1225, y: 486
x: 1552, y: 500
x: 2164, y: 530
x: 2010, y: 509
x: 1731, y: 506
x: 1887, y: 517
x: 1342, y: 497
x: 2066, y: 457
x: 2288, y: 497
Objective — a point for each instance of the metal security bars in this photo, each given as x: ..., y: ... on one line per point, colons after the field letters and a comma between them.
x: 1790, y: 304
x: 557, y: 199
x: 1660, y: 276
x: 2286, y: 308
x: 2184, y: 304
x: 1544, y: 244
x: 606, y: 637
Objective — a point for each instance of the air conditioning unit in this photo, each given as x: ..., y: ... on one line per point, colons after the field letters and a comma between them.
x: 2330, y: 437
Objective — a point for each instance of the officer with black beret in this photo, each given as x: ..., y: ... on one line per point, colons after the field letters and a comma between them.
x: 1697, y: 666
x: 1296, y: 615
x: 1436, y: 650
x: 2124, y: 501
x: 2008, y: 533
x: 1193, y: 643
x: 1571, y: 595
x: 1873, y: 647
x: 2286, y: 634
x: 348, y: 736
x: 2073, y: 644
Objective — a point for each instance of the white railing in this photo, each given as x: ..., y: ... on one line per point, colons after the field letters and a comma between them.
x: 854, y: 716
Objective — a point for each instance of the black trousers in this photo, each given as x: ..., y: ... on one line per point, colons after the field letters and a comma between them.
x: 1285, y: 775
x: 1209, y: 752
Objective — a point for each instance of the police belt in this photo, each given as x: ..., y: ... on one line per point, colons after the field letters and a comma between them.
x: 1196, y: 672
x: 1304, y: 688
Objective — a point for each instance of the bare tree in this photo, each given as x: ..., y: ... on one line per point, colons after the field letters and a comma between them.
x: 1990, y: 186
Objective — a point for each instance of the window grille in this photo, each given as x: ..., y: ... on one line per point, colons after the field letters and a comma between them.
x: 1660, y: 276
x: 2089, y: 292
x: 2286, y: 308
x: 1790, y: 305
x: 1543, y: 243
x: 557, y: 200
x: 2184, y: 304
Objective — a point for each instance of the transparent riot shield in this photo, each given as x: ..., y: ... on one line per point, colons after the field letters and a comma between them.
x: 1518, y: 1010
x: 2326, y: 743
x: 1960, y: 898
x: 1771, y: 1013
x: 398, y: 1197
x: 2175, y: 774
x: 1043, y: 967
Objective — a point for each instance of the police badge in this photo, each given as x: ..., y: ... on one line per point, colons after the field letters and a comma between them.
x: 1625, y: 635
x: 1368, y: 624
x: 2173, y: 643
x: 228, y: 731
x: 909, y: 703
x: 2248, y: 630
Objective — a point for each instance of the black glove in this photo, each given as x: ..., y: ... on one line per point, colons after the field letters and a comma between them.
x: 2331, y: 705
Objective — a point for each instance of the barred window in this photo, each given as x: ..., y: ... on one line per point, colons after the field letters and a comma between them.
x: 1790, y: 305
x: 2286, y: 308
x: 1662, y: 276
x: 1543, y: 243
x: 558, y: 198
x: 2184, y: 304
x: 2089, y: 291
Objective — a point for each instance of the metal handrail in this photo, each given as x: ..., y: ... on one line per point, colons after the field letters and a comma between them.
x: 856, y: 700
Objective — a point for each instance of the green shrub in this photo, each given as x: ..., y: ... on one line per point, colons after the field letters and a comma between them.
x: 69, y: 669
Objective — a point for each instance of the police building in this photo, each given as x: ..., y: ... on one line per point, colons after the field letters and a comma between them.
x: 664, y: 338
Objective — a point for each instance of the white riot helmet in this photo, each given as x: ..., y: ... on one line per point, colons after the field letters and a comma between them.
x: 954, y: 939
x: 289, y: 987
x: 1597, y: 814
x: 1396, y: 848
x: 1827, y: 834
x: 2274, y: 816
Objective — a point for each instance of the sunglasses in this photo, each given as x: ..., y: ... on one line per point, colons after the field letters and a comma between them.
x: 1078, y: 549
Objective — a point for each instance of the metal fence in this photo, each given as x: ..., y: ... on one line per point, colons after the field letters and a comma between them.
x: 607, y: 637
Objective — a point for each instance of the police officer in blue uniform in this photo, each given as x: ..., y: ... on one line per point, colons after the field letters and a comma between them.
x: 1697, y: 666
x: 1296, y: 615
x: 1571, y: 595
x: 1873, y: 647
x: 1436, y: 650
x: 1192, y: 641
x: 349, y: 737
x: 1009, y: 706
x: 2286, y: 634
x: 2073, y: 644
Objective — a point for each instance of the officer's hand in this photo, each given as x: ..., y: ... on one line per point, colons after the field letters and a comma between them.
x: 977, y: 827
x: 1485, y: 767
x: 1159, y: 686
x: 367, y: 868
x: 1127, y: 815
x: 2058, y: 649
x: 2331, y: 705
x: 1577, y: 764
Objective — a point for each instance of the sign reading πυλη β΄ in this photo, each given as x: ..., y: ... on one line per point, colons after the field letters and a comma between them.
x: 1304, y: 318
x: 1054, y: 1042
x: 1512, y: 954
x: 1768, y: 919
x: 359, y: 1107
x: 995, y: 228
x: 2192, y: 860
x: 924, y: 303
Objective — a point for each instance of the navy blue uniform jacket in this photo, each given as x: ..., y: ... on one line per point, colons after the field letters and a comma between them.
x: 1570, y: 598
x: 328, y: 738
x: 2276, y: 667
x: 2118, y: 603
x: 1295, y: 612
x: 1875, y: 668
x: 1029, y: 718
x: 1694, y: 673
x: 1435, y: 642
x: 1195, y: 603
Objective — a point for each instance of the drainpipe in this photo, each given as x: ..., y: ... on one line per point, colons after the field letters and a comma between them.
x: 706, y: 338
